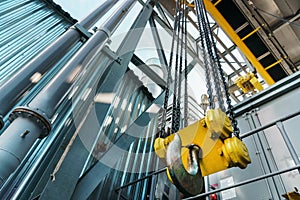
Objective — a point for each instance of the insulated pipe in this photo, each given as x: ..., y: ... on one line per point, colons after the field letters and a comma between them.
x: 30, y: 123
x: 10, y: 153
x: 50, y: 97
x: 15, y: 86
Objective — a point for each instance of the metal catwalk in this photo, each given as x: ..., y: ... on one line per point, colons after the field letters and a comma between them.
x: 80, y: 108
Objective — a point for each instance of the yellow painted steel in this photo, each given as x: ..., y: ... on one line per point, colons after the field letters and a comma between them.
x: 292, y: 195
x: 161, y: 144
x: 238, y: 41
x: 186, y: 2
x: 212, y: 135
x: 169, y: 176
x: 191, y: 5
x: 217, y: 2
x: 248, y: 83
x: 251, y: 33
x: 275, y: 63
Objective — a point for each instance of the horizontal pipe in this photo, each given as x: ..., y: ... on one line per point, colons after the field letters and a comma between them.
x: 245, y: 182
x: 88, y: 21
x: 219, y: 1
x: 141, y: 179
x: 273, y: 64
x: 251, y: 33
x: 268, y: 125
x: 13, y: 88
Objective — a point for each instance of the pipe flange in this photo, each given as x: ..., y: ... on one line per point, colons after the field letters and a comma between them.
x: 35, y: 115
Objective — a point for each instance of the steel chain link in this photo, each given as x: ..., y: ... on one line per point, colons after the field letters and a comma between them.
x: 214, y: 71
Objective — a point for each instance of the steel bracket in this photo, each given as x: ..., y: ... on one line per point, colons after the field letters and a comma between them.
x: 111, y: 54
x: 84, y: 32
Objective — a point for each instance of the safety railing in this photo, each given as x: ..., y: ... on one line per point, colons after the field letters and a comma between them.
x: 278, y: 123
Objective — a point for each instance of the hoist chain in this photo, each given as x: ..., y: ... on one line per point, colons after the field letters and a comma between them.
x: 215, y: 60
x: 178, y: 72
x: 177, y: 122
x: 236, y: 130
x: 169, y: 69
x: 179, y: 45
x: 185, y: 114
x: 205, y: 59
x: 211, y: 57
x: 213, y: 69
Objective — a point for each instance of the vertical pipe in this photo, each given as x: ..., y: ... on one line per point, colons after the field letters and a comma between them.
x: 143, y: 162
x: 260, y: 141
x: 151, y: 155
x: 288, y: 143
x: 34, y: 120
x: 106, y: 131
x: 270, y: 151
x: 135, y: 166
x: 15, y: 86
x: 260, y: 160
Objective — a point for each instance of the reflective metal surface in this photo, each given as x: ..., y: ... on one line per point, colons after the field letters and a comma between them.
x: 189, y: 181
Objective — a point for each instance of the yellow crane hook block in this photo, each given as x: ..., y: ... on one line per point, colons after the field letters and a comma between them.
x: 212, y: 135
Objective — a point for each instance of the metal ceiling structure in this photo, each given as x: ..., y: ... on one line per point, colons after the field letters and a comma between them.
x: 269, y: 29
x: 267, y: 34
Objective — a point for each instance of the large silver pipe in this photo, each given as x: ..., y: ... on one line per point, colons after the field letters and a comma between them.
x: 10, y: 153
x: 50, y: 97
x: 30, y: 123
x: 14, y: 87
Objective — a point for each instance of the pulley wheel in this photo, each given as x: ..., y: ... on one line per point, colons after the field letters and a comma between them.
x: 189, y: 184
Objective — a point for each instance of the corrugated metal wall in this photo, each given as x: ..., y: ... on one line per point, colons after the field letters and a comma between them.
x: 27, y: 27
x: 130, y: 101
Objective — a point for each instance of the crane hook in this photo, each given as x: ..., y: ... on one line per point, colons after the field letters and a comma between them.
x: 188, y: 179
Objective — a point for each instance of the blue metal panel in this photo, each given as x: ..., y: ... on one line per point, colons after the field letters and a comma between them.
x: 26, y: 27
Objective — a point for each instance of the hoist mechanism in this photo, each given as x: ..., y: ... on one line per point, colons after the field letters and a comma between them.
x: 211, y: 144
x: 248, y: 83
x: 206, y: 147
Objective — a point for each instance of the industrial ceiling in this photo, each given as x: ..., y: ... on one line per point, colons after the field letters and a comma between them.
x: 267, y: 33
